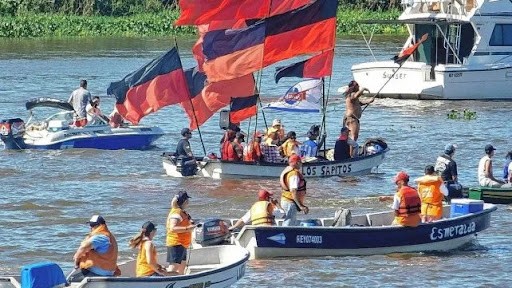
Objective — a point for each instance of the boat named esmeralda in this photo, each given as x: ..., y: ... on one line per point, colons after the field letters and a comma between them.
x: 467, y: 54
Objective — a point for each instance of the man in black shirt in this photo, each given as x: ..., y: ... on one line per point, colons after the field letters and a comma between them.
x: 185, y: 155
x: 447, y: 168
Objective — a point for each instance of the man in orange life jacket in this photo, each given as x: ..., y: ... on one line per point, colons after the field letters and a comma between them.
x: 228, y: 151
x: 97, y: 254
x: 262, y: 213
x: 293, y: 187
x: 432, y: 191
x: 406, y: 202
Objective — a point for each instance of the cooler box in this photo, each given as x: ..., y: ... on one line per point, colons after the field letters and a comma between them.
x: 465, y: 206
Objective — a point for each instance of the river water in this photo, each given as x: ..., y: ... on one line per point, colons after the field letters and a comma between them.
x: 47, y: 196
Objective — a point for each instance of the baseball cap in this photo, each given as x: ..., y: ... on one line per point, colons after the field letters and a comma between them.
x: 489, y: 148
x: 294, y: 159
x: 402, y: 175
x: 449, y: 148
x: 148, y: 226
x: 182, y: 197
x: 264, y: 194
x: 185, y: 131
x: 344, y: 129
x: 276, y: 122
x: 96, y: 220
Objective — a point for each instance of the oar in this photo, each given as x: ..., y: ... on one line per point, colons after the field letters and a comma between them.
x: 69, y: 275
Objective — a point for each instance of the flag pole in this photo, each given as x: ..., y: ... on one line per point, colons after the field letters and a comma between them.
x: 192, y: 105
x: 385, y: 83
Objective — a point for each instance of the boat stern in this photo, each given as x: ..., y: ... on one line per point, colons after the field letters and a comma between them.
x: 11, y: 133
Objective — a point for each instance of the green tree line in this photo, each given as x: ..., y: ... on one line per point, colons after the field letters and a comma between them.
x: 133, y: 7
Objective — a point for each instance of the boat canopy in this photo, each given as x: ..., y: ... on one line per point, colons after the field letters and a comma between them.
x: 48, y: 102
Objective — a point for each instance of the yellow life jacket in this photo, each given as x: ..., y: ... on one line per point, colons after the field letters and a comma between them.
x: 260, y: 214
x: 431, y: 196
x: 286, y: 194
x: 143, y: 268
x: 175, y: 239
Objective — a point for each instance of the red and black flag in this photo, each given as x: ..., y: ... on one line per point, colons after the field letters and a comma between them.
x: 243, y: 108
x: 315, y: 67
x: 233, y: 53
x: 157, y: 84
x: 197, y: 12
x: 404, y: 54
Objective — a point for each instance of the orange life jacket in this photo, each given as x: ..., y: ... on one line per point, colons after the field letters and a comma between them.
x: 175, y: 239
x: 106, y: 261
x: 410, y: 207
x: 431, y: 196
x: 253, y: 152
x: 260, y: 214
x: 286, y: 194
x: 228, y: 151
x: 143, y: 268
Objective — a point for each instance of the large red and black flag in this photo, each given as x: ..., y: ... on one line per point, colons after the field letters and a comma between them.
x: 407, y: 52
x: 243, y: 108
x: 157, y: 84
x: 197, y: 12
x: 315, y: 67
x: 234, y: 53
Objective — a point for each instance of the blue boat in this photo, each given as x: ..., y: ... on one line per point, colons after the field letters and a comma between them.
x: 55, y: 132
x: 367, y: 234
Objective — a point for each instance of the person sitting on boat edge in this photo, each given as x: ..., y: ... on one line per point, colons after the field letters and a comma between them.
x: 432, y: 191
x: 116, y: 120
x: 147, y: 264
x: 447, y: 168
x: 79, y: 99
x: 293, y: 193
x: 97, y: 254
x: 185, y: 155
x: 253, y: 150
x: 291, y: 145
x: 345, y: 148
x: 278, y: 129
x: 353, y: 109
x: 310, y: 147
x: 179, y: 233
x: 262, y: 213
x: 485, y: 175
x: 507, y: 170
x: 406, y: 202
x: 94, y: 114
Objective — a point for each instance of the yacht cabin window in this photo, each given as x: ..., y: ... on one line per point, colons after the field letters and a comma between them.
x: 501, y: 35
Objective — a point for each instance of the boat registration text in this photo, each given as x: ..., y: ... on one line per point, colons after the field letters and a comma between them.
x: 452, y: 231
x: 309, y: 239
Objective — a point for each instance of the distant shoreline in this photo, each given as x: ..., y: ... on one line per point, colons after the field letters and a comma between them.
x: 158, y: 24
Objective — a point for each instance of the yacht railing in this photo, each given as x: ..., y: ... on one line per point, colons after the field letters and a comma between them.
x: 449, y: 7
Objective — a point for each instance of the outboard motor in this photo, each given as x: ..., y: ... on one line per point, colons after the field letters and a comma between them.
x: 212, y: 232
x: 11, y: 133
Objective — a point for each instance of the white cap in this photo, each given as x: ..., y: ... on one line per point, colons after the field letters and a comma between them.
x: 276, y: 122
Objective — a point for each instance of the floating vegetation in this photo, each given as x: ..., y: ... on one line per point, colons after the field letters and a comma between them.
x: 462, y: 115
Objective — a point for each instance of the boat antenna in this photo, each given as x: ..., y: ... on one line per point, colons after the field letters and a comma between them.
x: 192, y: 105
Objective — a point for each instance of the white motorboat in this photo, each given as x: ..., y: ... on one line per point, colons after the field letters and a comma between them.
x: 215, y: 266
x: 467, y: 54
x: 55, y: 132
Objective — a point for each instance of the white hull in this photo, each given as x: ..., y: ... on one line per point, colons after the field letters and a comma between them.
x: 222, y: 169
x: 216, y: 266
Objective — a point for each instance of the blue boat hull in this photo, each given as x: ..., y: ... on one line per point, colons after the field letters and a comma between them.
x: 117, y: 142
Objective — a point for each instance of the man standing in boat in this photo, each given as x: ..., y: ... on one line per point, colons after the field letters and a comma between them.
x: 79, y: 99
x: 353, y: 108
x: 447, y: 168
x: 185, y: 155
x: 406, y: 202
x: 293, y: 187
x: 432, y: 191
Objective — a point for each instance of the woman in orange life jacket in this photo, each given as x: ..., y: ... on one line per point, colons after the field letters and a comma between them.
x: 147, y: 264
x: 262, y: 213
x: 432, y: 191
x: 179, y: 233
x: 227, y: 150
x: 406, y: 202
x: 293, y: 192
x: 97, y: 254
x: 253, y: 151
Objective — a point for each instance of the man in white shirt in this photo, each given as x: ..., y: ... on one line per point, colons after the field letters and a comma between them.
x: 485, y: 175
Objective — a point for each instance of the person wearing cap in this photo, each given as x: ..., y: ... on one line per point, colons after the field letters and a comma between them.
x: 293, y: 193
x: 291, y: 145
x: 353, y: 109
x: 147, y: 264
x: 432, y: 191
x: 262, y: 213
x: 507, y: 170
x: 310, y: 147
x: 97, y: 254
x: 185, y: 155
x: 179, y: 233
x: 253, y: 153
x: 485, y: 175
x: 406, y: 202
x: 344, y: 148
x: 447, y: 168
x: 278, y: 129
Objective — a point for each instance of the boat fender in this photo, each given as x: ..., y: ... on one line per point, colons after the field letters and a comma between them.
x: 342, y: 217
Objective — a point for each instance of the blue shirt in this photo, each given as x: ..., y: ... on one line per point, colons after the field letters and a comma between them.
x: 309, y: 149
x: 100, y: 244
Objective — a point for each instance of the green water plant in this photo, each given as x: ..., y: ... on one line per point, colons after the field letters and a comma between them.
x: 462, y: 115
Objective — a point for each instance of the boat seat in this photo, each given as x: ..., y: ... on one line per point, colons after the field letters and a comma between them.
x: 380, y: 219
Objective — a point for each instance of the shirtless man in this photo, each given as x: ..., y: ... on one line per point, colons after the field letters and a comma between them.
x: 353, y: 110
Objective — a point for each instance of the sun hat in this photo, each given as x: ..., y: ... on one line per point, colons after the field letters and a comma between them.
x: 276, y: 122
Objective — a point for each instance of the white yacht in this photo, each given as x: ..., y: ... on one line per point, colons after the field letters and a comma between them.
x: 468, y: 54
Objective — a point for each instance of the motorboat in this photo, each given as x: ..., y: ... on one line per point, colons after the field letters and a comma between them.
x: 57, y: 131
x: 465, y: 57
x: 311, y: 168
x: 368, y: 234
x: 490, y: 195
x: 215, y: 266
